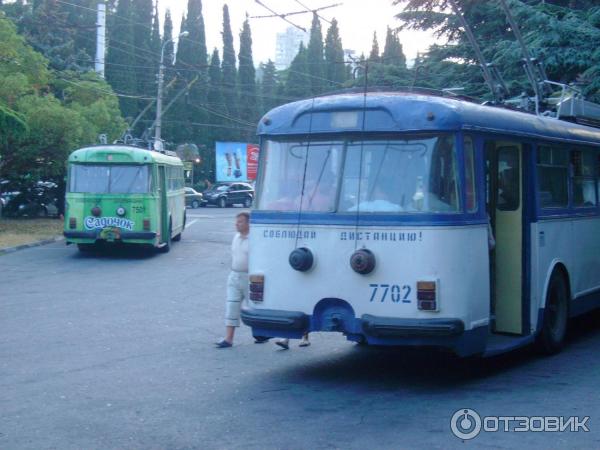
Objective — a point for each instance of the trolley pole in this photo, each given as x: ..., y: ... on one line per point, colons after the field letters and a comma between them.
x: 161, y: 79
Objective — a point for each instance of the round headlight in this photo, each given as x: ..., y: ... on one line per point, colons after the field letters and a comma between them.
x: 362, y: 261
x: 301, y: 259
x: 120, y: 211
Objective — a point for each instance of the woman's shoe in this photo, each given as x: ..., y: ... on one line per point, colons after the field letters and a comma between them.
x: 283, y: 343
x: 223, y: 344
x: 304, y: 342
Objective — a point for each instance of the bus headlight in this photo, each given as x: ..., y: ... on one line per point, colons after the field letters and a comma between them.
x: 362, y: 261
x: 120, y: 211
x: 301, y: 259
x: 256, y: 287
x: 427, y: 296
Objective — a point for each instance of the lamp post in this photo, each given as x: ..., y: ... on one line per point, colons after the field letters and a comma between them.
x: 161, y: 78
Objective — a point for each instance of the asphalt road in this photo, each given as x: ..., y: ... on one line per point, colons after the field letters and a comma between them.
x: 115, y: 350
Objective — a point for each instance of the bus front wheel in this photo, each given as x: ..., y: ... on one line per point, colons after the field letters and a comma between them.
x: 556, y: 315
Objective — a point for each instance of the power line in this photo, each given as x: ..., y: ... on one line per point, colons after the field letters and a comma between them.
x: 282, y: 16
x: 317, y: 9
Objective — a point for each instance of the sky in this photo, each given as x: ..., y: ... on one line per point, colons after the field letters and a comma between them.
x: 357, y: 20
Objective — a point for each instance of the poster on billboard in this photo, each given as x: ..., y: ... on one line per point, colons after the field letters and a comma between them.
x: 236, y: 161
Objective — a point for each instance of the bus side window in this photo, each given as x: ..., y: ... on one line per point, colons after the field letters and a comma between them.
x: 470, y: 186
x: 553, y: 177
x: 508, y: 179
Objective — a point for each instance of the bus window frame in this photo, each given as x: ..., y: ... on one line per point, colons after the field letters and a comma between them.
x: 452, y: 216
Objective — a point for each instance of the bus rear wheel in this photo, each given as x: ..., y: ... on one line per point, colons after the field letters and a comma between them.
x: 556, y: 315
x: 86, y: 248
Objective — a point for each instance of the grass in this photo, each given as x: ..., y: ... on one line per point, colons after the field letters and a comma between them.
x: 15, y: 232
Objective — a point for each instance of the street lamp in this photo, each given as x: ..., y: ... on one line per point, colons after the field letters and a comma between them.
x: 161, y: 78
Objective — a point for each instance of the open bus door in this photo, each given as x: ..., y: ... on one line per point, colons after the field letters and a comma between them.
x: 505, y: 206
x: 163, y: 209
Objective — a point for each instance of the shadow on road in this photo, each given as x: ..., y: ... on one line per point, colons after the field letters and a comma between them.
x: 434, y: 369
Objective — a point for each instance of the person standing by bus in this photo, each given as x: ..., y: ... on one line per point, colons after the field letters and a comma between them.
x: 237, y: 282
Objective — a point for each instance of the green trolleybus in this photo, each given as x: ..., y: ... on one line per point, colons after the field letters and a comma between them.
x: 119, y: 193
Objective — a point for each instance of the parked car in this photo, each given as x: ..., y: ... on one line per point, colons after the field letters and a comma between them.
x: 227, y: 194
x: 193, y: 198
x: 37, y: 201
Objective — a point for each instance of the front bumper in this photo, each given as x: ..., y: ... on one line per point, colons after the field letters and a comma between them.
x: 448, y: 333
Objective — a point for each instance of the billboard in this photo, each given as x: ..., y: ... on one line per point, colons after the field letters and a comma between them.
x: 236, y: 161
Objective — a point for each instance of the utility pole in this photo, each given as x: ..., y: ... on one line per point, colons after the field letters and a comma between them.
x: 100, y: 39
x: 161, y: 79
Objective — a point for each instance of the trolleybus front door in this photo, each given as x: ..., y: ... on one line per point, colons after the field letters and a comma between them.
x: 505, y: 208
x: 162, y: 205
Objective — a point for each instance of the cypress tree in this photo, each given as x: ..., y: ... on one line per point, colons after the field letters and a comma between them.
x: 168, y: 36
x: 268, y: 86
x: 335, y: 69
x: 120, y: 54
x: 298, y: 84
x: 315, y: 57
x: 215, y: 97
x: 230, y: 91
x: 392, y: 52
x: 374, y: 55
x: 247, y: 81
x: 141, y: 15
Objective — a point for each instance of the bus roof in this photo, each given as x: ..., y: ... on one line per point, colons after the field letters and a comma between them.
x: 121, y: 154
x: 409, y: 112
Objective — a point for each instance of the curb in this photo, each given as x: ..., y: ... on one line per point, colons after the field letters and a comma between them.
x: 7, y: 250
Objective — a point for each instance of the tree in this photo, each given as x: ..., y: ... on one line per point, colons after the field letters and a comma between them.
x: 335, y: 69
x: 215, y: 98
x: 297, y: 84
x: 392, y: 52
x: 120, y: 54
x: 374, y: 55
x: 247, y: 82
x: 314, y: 57
x: 168, y: 37
x: 145, y: 58
x: 564, y: 38
x: 192, y: 62
x: 230, y: 90
x: 268, y: 86
x: 37, y: 129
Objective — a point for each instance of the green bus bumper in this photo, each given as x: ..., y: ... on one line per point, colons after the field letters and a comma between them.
x: 124, y: 235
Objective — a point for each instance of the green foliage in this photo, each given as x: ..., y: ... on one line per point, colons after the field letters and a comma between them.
x: 230, y: 88
x: 374, y: 55
x: 37, y: 129
x: 268, y: 86
x: 215, y: 98
x: 392, y: 52
x: 298, y: 83
x: 563, y: 34
x: 247, y: 82
x: 335, y: 70
x: 314, y: 57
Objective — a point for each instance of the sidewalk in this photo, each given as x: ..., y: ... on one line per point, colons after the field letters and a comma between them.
x: 16, y: 234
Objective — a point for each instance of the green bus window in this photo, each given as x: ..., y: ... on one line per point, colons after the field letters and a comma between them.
x: 470, y: 186
x: 584, y: 178
x: 553, y: 177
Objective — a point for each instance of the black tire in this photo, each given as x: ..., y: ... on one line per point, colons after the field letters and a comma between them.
x: 556, y: 315
x: 222, y: 202
x: 85, y: 248
x: 247, y: 202
x: 195, y: 204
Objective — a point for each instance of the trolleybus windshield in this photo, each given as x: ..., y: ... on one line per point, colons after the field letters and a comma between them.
x: 414, y: 175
